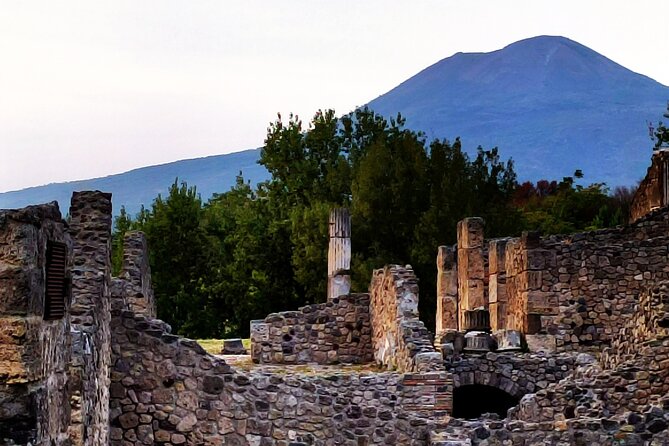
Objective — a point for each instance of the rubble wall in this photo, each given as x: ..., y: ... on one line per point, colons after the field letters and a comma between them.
x: 633, y: 374
x: 133, y: 283
x: 652, y: 191
x: 337, y: 331
x: 168, y: 390
x: 400, y: 340
x: 582, y: 288
x: 34, y: 351
x: 90, y: 226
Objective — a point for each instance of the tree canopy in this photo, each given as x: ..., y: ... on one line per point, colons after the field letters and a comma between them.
x: 254, y: 250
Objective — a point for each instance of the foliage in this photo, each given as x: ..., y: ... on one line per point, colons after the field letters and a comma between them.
x: 251, y: 251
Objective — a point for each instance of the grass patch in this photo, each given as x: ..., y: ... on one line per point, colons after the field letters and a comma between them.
x: 214, y: 346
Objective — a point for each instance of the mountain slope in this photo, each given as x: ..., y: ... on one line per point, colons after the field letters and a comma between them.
x: 141, y: 186
x: 552, y: 104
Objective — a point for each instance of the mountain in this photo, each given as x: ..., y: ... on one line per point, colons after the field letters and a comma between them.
x: 141, y: 186
x: 550, y: 103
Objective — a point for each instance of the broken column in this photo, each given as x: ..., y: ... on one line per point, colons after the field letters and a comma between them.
x: 497, y: 284
x: 447, y: 290
x: 471, y: 267
x: 339, y: 253
x: 90, y: 226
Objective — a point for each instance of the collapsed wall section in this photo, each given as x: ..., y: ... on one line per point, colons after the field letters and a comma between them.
x: 35, y: 265
x: 90, y: 226
x: 400, y: 340
x: 337, y: 331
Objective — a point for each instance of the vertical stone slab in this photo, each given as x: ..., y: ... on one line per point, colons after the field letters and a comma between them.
x: 471, y: 266
x: 447, y: 290
x: 90, y: 226
x: 497, y: 284
x: 339, y: 253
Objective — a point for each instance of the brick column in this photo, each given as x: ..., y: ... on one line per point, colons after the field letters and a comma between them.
x: 447, y: 290
x: 471, y: 266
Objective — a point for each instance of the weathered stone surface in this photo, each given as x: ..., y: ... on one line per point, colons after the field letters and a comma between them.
x: 34, y: 348
x: 338, y: 331
x: 90, y: 226
x: 398, y: 335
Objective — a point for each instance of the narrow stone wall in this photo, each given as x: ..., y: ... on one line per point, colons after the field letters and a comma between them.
x: 401, y: 341
x: 133, y: 285
x: 90, y: 226
x: 168, y: 390
x: 337, y: 331
x: 34, y: 346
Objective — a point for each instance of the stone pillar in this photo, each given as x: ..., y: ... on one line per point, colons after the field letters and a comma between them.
x: 471, y: 266
x: 90, y: 226
x: 447, y: 290
x: 136, y: 274
x: 497, y: 284
x: 339, y: 253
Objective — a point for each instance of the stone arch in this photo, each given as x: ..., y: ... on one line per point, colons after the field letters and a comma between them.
x: 493, y: 379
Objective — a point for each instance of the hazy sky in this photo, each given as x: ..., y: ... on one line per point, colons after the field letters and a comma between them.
x: 90, y: 88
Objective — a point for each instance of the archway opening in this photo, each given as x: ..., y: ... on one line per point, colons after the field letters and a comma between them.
x: 472, y: 401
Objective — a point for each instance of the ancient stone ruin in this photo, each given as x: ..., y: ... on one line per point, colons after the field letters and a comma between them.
x: 538, y: 340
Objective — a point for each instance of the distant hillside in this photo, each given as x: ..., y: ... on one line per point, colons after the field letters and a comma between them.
x: 552, y: 104
x: 140, y: 186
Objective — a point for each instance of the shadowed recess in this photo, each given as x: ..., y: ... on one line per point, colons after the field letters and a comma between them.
x: 474, y: 400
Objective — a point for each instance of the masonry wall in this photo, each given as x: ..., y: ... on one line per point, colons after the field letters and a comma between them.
x: 337, y: 331
x: 633, y: 375
x: 652, y: 192
x: 34, y: 352
x: 90, y: 226
x: 133, y: 283
x: 167, y: 390
x: 582, y: 288
x: 400, y: 340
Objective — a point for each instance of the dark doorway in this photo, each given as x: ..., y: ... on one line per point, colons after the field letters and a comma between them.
x: 474, y: 400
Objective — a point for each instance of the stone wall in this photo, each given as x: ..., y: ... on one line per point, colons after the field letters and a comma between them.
x: 90, y: 226
x: 167, y: 390
x: 582, y: 288
x: 517, y: 374
x: 133, y: 284
x: 337, y: 331
x: 400, y: 340
x: 632, y: 376
x: 34, y: 347
x: 652, y: 192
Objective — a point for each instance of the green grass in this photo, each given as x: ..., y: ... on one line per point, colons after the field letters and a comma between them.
x: 214, y: 346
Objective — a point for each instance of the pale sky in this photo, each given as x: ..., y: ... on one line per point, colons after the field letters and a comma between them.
x: 91, y: 88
